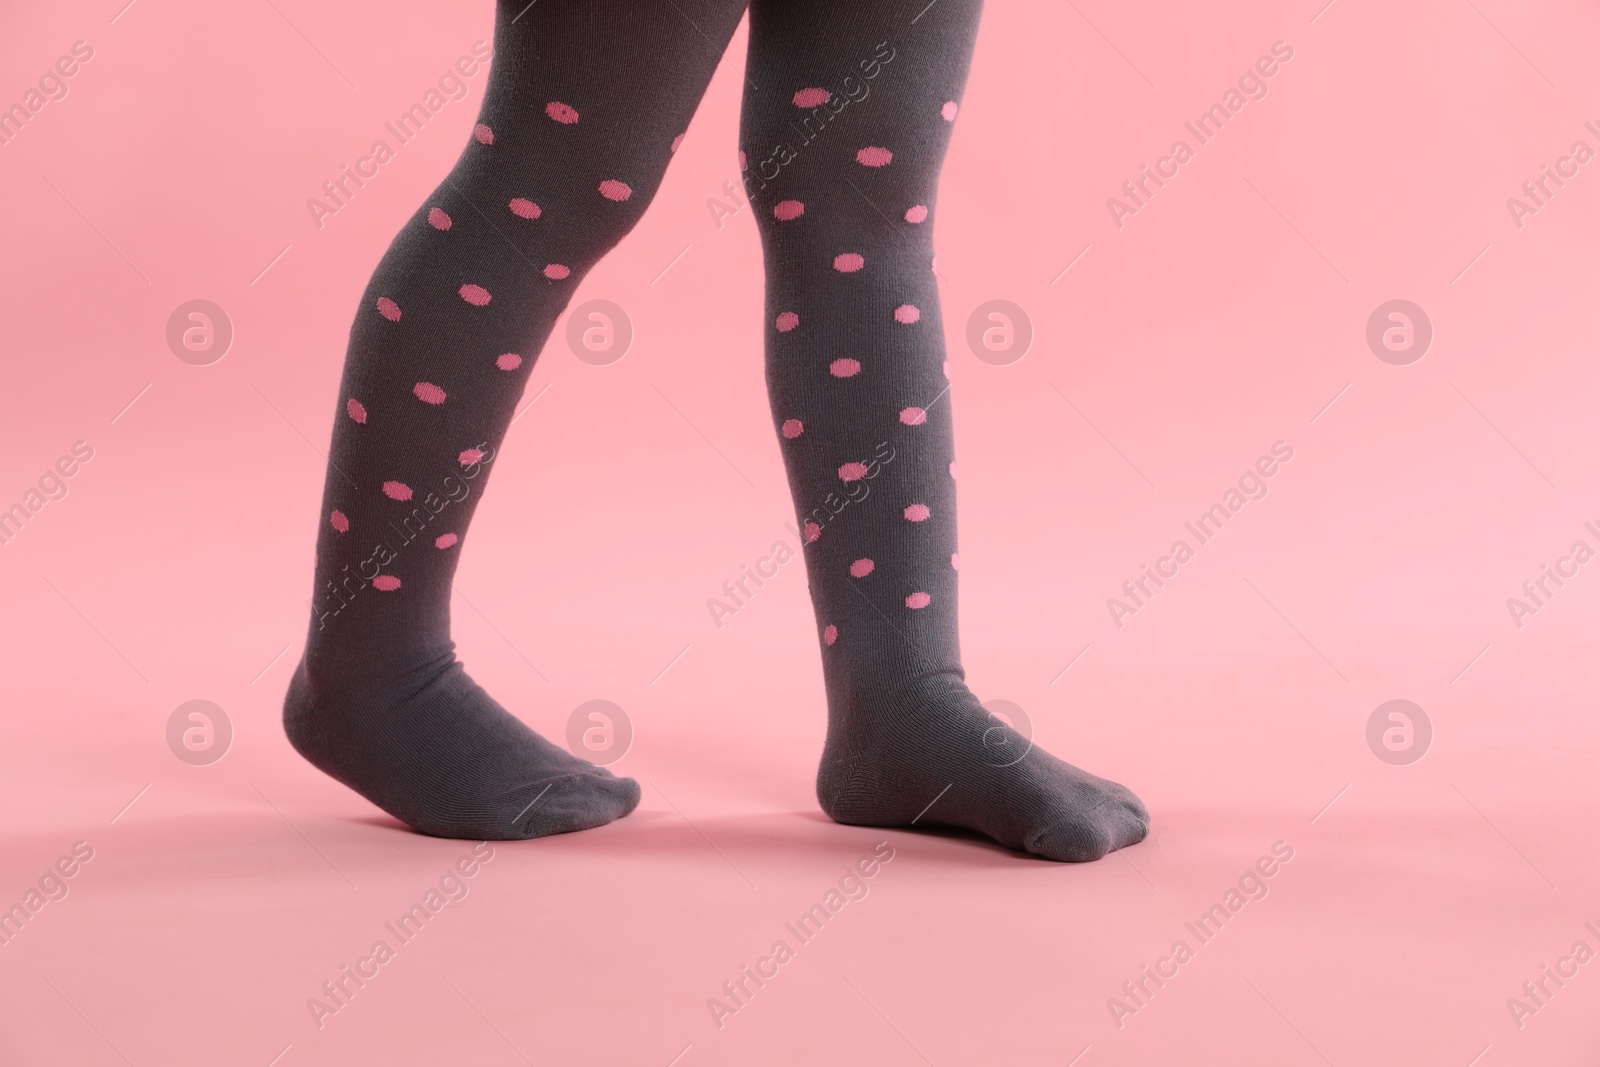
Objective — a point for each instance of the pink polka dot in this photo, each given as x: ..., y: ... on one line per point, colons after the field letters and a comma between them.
x: 388, y: 583
x: 788, y: 209
x: 438, y: 219
x: 445, y: 540
x: 861, y: 568
x: 612, y: 189
x: 397, y: 490
x: 810, y: 97
x: 853, y: 472
x: 917, y: 513
x: 848, y: 262
x: 844, y: 368
x: 485, y: 136
x: 339, y: 521
x: 469, y: 457
x: 428, y: 393
x: 955, y: 561
x: 918, y: 600
x: 562, y: 113
x: 354, y: 409
x: 744, y: 160
x: 557, y: 271
x: 476, y: 295
x: 792, y: 428
x: 509, y: 361
x: 524, y: 208
x: 388, y: 309
x: 952, y: 468
x: 916, y: 212
x: 676, y: 141
x: 812, y: 532
x: 907, y: 313
x: 830, y: 634
x: 874, y: 157
x: 949, y: 110
x: 913, y: 416
x: 787, y: 320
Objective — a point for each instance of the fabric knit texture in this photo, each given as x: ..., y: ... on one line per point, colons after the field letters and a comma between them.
x: 848, y: 111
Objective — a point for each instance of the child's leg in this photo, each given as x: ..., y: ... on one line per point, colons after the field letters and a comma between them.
x: 843, y: 143
x: 584, y: 103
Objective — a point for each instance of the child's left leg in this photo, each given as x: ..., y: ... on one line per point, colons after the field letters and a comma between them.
x: 843, y: 141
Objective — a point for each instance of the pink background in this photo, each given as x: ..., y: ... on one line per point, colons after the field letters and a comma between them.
x: 1221, y: 318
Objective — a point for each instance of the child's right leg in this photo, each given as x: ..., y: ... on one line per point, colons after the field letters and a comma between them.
x: 584, y: 105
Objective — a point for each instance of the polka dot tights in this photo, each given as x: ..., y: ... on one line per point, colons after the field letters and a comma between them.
x: 849, y: 106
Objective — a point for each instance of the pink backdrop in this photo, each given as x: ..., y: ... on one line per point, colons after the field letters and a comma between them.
x: 1228, y: 313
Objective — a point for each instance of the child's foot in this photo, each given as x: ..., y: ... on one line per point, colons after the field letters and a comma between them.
x: 941, y: 760
x: 438, y: 753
